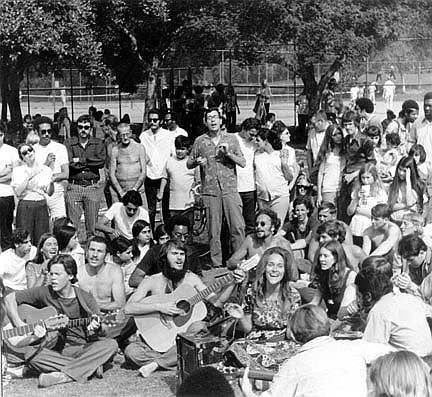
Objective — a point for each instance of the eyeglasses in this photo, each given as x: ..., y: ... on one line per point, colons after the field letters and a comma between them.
x: 83, y: 127
x: 45, y: 132
x: 26, y: 152
x: 180, y: 235
x: 262, y: 223
x: 154, y: 120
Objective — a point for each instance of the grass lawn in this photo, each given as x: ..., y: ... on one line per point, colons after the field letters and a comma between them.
x: 116, y: 382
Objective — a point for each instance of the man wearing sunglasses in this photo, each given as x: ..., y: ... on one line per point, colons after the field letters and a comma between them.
x: 84, y: 193
x: 159, y: 144
x: 54, y: 155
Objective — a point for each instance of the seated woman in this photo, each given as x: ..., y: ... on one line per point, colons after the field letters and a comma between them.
x: 332, y: 277
x: 142, y: 239
x: 274, y: 299
x: 36, y: 269
x: 407, y: 189
x: 300, y: 226
x: 67, y: 238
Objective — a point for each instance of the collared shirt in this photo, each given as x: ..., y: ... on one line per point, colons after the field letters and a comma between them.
x: 325, y: 367
x: 399, y: 320
x: 359, y: 151
x: 421, y: 133
x: 159, y: 148
x: 91, y: 159
x: 246, y: 175
x: 219, y: 174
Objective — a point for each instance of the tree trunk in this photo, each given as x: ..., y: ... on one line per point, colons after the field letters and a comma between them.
x: 150, y: 99
x: 15, y: 78
x: 4, y: 91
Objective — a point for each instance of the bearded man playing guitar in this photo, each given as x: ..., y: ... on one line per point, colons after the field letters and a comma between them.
x: 76, y: 353
x: 159, y: 317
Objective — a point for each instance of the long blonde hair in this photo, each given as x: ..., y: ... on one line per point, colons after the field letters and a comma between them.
x: 401, y: 374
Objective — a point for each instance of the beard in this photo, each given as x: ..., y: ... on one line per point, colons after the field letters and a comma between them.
x: 173, y: 274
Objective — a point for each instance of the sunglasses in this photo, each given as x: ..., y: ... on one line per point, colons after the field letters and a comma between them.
x: 262, y: 223
x: 155, y: 120
x: 83, y: 127
x: 132, y: 209
x: 25, y: 152
x: 45, y: 132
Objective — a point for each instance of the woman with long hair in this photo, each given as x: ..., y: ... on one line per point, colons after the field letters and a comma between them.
x: 331, y: 162
x: 274, y: 299
x: 285, y: 136
x: 272, y: 172
x: 407, y: 189
x: 142, y: 239
x: 332, y: 277
x: 367, y: 192
x: 37, y: 268
x: 67, y: 239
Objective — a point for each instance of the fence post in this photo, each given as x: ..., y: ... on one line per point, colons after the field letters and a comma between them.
x: 418, y: 75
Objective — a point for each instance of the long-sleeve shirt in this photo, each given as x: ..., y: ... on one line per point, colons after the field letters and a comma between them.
x: 91, y: 159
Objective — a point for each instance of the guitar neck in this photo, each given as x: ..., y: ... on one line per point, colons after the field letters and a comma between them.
x: 228, y: 278
x: 19, y: 331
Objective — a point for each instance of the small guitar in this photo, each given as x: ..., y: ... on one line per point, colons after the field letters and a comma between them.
x: 160, y: 330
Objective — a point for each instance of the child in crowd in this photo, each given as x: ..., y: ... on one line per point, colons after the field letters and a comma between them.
x: 368, y: 191
x: 122, y: 251
x: 142, y: 239
x: 181, y: 180
x: 390, y: 157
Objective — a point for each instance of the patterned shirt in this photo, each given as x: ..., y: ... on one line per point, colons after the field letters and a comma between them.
x: 359, y: 151
x: 218, y: 175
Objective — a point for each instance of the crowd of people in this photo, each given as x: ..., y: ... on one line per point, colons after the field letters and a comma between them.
x: 342, y: 234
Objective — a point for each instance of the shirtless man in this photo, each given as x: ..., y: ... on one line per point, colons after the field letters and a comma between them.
x: 266, y: 227
x: 334, y: 230
x: 382, y: 238
x: 172, y: 276
x: 128, y: 165
x: 326, y: 212
x: 101, y: 279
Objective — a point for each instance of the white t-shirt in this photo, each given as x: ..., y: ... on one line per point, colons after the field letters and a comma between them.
x: 159, y: 148
x: 8, y: 157
x: 60, y: 151
x: 246, y: 175
x: 38, y: 185
x: 122, y: 222
x: 181, y: 180
x: 12, y: 268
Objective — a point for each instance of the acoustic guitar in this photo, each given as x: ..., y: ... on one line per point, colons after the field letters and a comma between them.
x: 160, y: 330
x: 52, y: 321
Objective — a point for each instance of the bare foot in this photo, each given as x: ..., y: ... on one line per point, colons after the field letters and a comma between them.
x: 147, y: 370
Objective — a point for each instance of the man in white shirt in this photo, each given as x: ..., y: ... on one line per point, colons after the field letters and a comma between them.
x: 323, y: 366
x: 124, y: 214
x: 421, y: 131
x: 159, y: 144
x: 8, y: 160
x: 54, y: 155
x: 170, y: 122
x: 398, y: 319
x: 246, y: 176
x: 13, y: 260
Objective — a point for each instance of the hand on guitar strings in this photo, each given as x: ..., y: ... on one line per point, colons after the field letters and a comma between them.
x: 95, y: 323
x: 39, y: 331
x: 169, y: 308
x: 239, y: 276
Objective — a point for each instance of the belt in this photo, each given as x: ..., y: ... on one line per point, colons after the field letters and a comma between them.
x: 84, y: 182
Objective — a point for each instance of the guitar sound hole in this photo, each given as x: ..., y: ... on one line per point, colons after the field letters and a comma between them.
x: 183, y: 305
